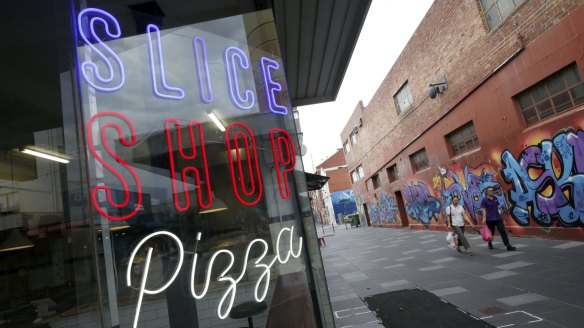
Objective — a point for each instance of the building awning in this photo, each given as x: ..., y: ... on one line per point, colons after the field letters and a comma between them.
x: 315, y: 181
x: 317, y: 39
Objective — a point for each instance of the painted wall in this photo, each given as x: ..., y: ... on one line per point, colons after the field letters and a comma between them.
x: 384, y: 212
x: 540, y: 187
x: 537, y: 170
x: 343, y: 202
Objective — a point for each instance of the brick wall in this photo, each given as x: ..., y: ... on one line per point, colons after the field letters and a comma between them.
x: 452, y: 40
x: 485, y: 70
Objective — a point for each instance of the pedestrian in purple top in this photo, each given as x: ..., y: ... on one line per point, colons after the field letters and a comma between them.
x: 492, y: 217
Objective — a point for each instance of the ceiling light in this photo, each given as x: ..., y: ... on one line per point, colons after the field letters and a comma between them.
x: 15, y: 241
x: 218, y: 205
x: 45, y: 155
x: 217, y: 122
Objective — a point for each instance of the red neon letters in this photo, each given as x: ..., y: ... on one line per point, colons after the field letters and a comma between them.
x: 239, y: 135
x: 284, y: 158
x: 203, y: 191
x: 106, y: 189
x: 186, y: 149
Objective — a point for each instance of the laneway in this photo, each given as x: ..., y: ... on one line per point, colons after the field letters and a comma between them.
x: 539, y: 285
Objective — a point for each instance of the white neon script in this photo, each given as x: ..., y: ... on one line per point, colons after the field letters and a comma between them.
x: 226, y: 301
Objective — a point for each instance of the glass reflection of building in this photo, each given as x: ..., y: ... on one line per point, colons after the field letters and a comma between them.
x: 62, y: 262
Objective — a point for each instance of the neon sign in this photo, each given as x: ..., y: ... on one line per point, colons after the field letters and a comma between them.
x: 235, y: 61
x: 87, y: 31
x: 171, y: 92
x: 102, y: 188
x: 231, y: 55
x: 226, y: 302
x: 205, y: 201
x: 200, y: 49
x: 244, y: 168
x: 238, y: 134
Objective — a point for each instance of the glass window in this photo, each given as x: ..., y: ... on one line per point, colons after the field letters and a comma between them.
x: 559, y: 92
x: 360, y: 171
x: 47, y: 249
x: 496, y: 11
x: 353, y: 138
x: 419, y: 160
x: 180, y: 198
x: 403, y: 98
x: 347, y: 146
x: 375, y: 181
x: 354, y: 176
x: 392, y: 173
x: 463, y: 139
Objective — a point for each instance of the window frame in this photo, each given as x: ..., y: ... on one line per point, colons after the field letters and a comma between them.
x: 473, y: 138
x: 346, y: 146
x: 390, y: 173
x: 357, y: 174
x: 543, y: 85
x: 375, y: 181
x: 360, y: 172
x: 414, y: 162
x: 397, y: 97
x: 495, y: 4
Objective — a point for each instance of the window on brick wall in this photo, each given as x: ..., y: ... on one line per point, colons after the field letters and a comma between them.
x: 403, y: 98
x: 419, y: 160
x: 353, y: 138
x: 559, y: 92
x: 360, y: 171
x: 375, y: 181
x: 496, y: 11
x: 392, y: 173
x: 346, y: 146
x: 357, y: 174
x: 463, y: 139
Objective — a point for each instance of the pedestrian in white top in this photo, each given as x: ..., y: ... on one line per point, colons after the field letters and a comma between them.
x: 455, y: 215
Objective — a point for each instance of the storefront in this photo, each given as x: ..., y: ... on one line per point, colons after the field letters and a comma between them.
x: 150, y: 171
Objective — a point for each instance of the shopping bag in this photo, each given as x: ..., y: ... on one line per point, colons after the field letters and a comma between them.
x: 450, y: 240
x: 486, y: 233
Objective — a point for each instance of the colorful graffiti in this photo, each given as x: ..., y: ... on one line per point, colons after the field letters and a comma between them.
x: 344, y: 202
x: 421, y: 205
x: 469, y: 184
x: 384, y: 212
x: 547, y: 181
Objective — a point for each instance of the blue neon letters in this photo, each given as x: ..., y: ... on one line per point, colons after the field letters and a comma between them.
x: 200, y: 49
x: 110, y: 76
x: 271, y: 86
x: 87, y: 19
x: 231, y: 54
x: 171, y: 92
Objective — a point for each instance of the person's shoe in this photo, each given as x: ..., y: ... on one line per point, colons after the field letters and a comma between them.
x: 490, y: 245
x: 511, y: 248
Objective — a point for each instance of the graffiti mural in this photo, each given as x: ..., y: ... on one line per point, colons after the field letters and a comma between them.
x: 384, y: 212
x: 547, y: 181
x: 469, y: 184
x: 344, y: 202
x: 421, y: 205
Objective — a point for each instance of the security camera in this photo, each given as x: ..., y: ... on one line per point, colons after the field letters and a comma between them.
x: 432, y: 91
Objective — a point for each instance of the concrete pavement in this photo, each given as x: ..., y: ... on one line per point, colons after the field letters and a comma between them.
x: 539, y: 285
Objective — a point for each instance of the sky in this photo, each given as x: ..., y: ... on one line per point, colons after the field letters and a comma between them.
x: 386, y: 31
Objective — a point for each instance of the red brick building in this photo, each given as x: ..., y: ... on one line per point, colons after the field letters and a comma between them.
x: 486, y: 93
x: 339, y: 185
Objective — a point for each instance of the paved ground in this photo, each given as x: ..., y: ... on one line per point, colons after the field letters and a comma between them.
x: 539, y: 285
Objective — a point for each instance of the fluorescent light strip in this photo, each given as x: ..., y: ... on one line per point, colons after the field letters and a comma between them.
x: 46, y: 156
x: 217, y: 122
